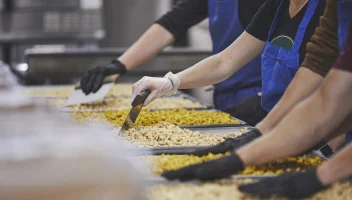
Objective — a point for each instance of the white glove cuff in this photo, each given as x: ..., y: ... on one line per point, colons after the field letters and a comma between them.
x: 175, y: 82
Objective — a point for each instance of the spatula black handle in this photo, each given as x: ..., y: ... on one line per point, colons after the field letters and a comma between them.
x: 139, y: 99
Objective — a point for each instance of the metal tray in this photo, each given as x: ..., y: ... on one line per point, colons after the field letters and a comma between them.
x: 186, y: 149
x: 152, y: 181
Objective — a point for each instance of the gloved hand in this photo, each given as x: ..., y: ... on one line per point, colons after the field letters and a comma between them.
x: 248, y: 110
x: 229, y: 144
x: 94, y: 78
x: 166, y: 85
x: 211, y: 170
x: 291, y: 185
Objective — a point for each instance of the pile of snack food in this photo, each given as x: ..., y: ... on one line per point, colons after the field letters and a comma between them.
x: 179, y: 117
x: 165, y: 134
x: 163, y: 163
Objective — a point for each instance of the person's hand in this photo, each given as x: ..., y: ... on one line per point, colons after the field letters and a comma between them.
x: 207, y: 171
x: 92, y: 81
x: 166, y: 85
x: 229, y: 144
x: 291, y: 185
x: 248, y: 110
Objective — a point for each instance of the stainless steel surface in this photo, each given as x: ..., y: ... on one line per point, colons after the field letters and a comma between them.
x: 26, y: 23
x: 67, y: 65
x: 220, y: 130
x: 123, y: 22
x: 152, y: 181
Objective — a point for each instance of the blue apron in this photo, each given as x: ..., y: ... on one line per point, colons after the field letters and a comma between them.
x: 279, y: 65
x: 225, y: 27
x: 344, y: 8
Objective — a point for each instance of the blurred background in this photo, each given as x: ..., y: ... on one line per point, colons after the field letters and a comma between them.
x: 55, y: 42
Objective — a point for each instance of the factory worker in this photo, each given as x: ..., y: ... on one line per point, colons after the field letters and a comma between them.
x: 279, y: 32
x: 45, y: 156
x: 333, y: 109
x: 322, y: 53
x: 227, y: 19
x: 325, y: 114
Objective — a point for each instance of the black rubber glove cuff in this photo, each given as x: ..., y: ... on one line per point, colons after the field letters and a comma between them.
x: 292, y: 185
x: 119, y: 65
x: 229, y: 144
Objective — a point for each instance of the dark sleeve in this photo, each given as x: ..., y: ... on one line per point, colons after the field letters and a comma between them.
x: 185, y: 14
x: 248, y: 8
x: 323, y: 50
x: 262, y: 20
x: 345, y: 59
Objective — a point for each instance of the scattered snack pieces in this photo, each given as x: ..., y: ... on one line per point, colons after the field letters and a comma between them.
x: 50, y: 92
x: 165, y: 134
x: 88, y: 117
x: 116, y: 103
x: 163, y: 163
x: 179, y: 117
x: 66, y: 91
x: 228, y: 189
x: 223, y: 189
x: 123, y: 103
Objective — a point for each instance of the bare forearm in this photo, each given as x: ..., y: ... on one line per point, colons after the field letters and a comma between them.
x: 221, y: 66
x: 154, y: 40
x: 304, y: 83
x: 317, y: 117
x: 337, y: 168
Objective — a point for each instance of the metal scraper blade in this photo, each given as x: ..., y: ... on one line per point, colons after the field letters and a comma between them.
x: 137, y: 106
x: 131, y: 118
x: 78, y: 97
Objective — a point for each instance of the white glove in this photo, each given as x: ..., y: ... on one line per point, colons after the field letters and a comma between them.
x: 158, y: 87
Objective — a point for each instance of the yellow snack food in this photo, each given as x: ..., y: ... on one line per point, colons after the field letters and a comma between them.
x: 163, y: 163
x: 66, y: 91
x: 179, y: 117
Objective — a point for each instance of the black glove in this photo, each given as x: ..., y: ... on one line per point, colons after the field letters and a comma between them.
x: 211, y: 170
x: 248, y: 110
x: 229, y: 144
x: 94, y: 78
x: 291, y: 185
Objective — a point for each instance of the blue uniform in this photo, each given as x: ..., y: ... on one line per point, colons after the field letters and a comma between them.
x: 225, y: 27
x: 280, y: 65
x: 344, y: 10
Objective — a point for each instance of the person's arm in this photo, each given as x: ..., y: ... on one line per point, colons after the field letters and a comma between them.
x: 304, y: 83
x: 154, y: 40
x: 307, y: 124
x: 165, y: 30
x: 222, y: 65
x: 337, y: 168
x: 322, y: 52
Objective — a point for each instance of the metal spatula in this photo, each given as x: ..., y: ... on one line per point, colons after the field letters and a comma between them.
x: 78, y: 96
x: 137, y: 106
